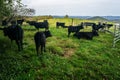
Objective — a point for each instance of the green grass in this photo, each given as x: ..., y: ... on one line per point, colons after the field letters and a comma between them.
x: 65, y: 59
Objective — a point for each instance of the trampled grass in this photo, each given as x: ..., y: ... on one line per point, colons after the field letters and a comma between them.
x: 65, y: 59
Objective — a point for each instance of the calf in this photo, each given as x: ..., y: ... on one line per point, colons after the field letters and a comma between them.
x: 40, y: 40
x: 15, y: 33
x: 74, y: 29
x: 60, y: 24
x: 86, y: 35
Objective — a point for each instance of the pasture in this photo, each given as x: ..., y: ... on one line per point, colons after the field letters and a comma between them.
x: 65, y: 58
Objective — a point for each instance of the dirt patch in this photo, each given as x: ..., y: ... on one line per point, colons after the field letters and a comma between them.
x: 68, y: 52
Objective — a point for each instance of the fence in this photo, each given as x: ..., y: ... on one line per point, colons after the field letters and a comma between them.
x: 116, y: 34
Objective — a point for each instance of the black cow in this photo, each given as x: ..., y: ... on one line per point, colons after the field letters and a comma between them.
x: 20, y: 22
x: 60, y: 24
x: 86, y: 35
x: 95, y: 29
x: 102, y: 26
x: 38, y: 25
x: 74, y: 29
x: 40, y: 40
x: 15, y: 32
x: 107, y: 25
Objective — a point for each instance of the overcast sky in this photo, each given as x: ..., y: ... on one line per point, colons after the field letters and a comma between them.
x: 75, y: 7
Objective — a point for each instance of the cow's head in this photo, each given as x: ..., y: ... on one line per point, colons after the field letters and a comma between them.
x: 48, y: 33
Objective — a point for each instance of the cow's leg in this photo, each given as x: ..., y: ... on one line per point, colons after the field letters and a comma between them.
x: 18, y: 44
x: 42, y: 48
x: 37, y: 49
x: 69, y: 33
x: 21, y: 45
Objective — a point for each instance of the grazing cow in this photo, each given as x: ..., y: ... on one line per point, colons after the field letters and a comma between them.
x: 107, y: 25
x: 101, y: 26
x: 14, y: 32
x: 86, y: 35
x: 60, y: 24
x: 97, y: 26
x: 20, y: 22
x: 38, y: 25
x: 74, y: 29
x: 40, y: 40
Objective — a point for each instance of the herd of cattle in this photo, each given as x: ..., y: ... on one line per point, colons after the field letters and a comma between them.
x: 88, y: 35
x: 15, y: 32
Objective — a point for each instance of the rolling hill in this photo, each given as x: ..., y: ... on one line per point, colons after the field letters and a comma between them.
x: 98, y: 18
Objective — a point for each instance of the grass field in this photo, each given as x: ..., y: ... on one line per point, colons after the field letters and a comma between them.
x: 65, y: 59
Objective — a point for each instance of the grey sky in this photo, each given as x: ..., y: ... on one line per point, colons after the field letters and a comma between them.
x: 75, y: 7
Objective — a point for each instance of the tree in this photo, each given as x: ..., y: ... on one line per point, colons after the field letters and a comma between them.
x: 3, y: 8
x: 6, y: 7
x: 66, y: 16
x: 13, y: 8
x: 22, y: 10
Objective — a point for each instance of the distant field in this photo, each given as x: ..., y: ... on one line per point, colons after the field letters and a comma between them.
x: 65, y: 59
